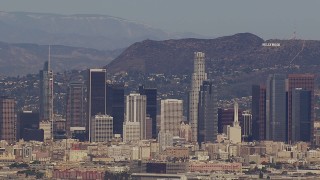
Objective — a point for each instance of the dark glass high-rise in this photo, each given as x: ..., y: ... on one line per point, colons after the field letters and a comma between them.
x: 96, y: 93
x: 208, y: 113
x: 151, y: 94
x: 115, y: 106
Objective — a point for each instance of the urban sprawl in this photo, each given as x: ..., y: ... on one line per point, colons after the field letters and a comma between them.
x: 109, y: 134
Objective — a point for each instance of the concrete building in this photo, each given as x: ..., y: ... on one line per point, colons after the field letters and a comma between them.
x: 46, y: 126
x: 135, y: 115
x: 316, y: 127
x: 177, y: 152
x: 148, y: 127
x: 234, y: 132
x: 75, y: 108
x: 198, y: 76
x: 8, y: 119
x: 101, y: 128
x: 214, y: 166
x: 131, y: 131
x: 171, y: 116
x: 165, y: 140
x: 185, y: 131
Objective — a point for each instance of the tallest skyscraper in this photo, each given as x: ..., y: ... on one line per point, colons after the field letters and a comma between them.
x: 46, y: 92
x: 46, y: 96
x: 198, y: 76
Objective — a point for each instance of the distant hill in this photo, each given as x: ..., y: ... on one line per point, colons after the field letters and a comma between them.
x: 235, y: 61
x: 20, y: 59
x: 176, y: 56
x: 80, y: 30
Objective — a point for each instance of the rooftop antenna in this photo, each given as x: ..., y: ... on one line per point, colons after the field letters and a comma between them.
x: 294, y: 35
x: 49, y: 57
x: 235, y: 118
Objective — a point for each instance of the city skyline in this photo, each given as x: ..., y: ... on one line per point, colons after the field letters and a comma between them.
x: 159, y: 90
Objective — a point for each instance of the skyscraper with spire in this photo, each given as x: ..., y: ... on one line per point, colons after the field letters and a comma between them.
x: 234, y: 132
x: 46, y: 92
x: 198, y: 76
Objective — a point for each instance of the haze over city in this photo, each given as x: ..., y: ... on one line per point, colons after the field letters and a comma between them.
x: 149, y: 90
x: 269, y: 19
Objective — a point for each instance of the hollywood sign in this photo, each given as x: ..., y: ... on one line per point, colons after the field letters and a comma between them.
x: 271, y: 44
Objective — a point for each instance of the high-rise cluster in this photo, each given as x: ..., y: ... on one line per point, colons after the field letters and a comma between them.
x: 283, y: 109
x: 202, y: 103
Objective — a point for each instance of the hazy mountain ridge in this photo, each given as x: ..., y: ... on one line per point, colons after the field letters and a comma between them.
x: 80, y: 30
x: 24, y: 58
x: 239, y: 50
x: 235, y: 62
x: 176, y: 56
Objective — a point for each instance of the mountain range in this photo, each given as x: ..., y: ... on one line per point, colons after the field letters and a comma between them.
x: 235, y: 62
x: 238, y: 51
x: 24, y: 58
x: 80, y: 30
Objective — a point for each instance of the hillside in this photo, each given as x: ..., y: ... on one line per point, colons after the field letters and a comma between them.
x: 80, y: 30
x: 235, y: 62
x: 176, y: 56
x: 20, y: 59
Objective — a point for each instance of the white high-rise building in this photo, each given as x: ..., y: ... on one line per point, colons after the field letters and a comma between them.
x: 131, y: 131
x: 171, y: 115
x: 234, y: 132
x: 135, y: 116
x: 185, y: 131
x: 47, y: 129
x: 198, y: 76
x: 101, y: 128
x: 165, y: 140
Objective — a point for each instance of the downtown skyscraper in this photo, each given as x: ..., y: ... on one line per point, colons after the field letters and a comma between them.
x: 198, y: 76
x: 96, y: 91
x: 134, y: 127
x: 276, y: 124
x: 306, y: 82
x: 301, y: 117
x: 115, y: 105
x: 171, y: 116
x: 258, y: 109
x: 75, y: 108
x: 151, y: 94
x: 208, y: 113
x: 8, y: 119
x: 46, y: 92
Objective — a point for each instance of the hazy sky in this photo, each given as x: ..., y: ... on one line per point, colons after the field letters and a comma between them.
x: 268, y: 19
